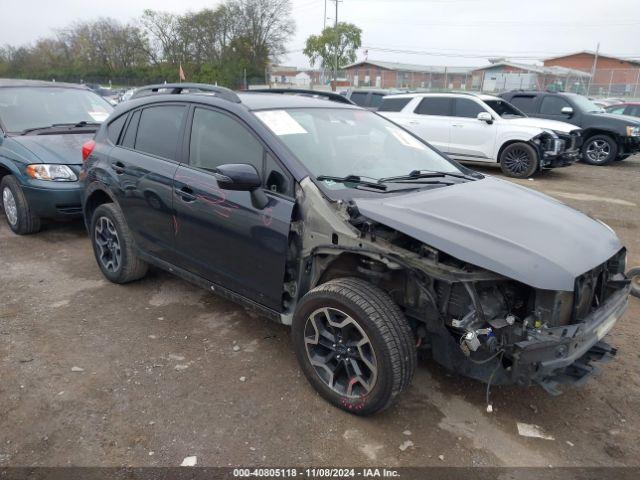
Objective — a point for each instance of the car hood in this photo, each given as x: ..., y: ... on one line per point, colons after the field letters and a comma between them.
x: 543, y: 123
x: 502, y: 227
x: 64, y: 149
x: 621, y: 119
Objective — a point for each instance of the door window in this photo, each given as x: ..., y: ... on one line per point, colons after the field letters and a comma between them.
x: 524, y: 103
x: 552, y: 105
x: 616, y: 109
x: 464, y: 107
x: 392, y: 104
x: 434, y: 106
x: 633, y: 111
x: 376, y: 99
x: 218, y: 139
x: 159, y: 130
x: 129, y: 138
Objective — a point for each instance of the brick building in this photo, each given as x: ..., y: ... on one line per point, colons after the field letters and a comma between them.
x: 373, y: 73
x: 613, y: 76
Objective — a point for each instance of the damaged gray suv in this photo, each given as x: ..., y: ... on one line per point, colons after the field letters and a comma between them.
x: 369, y: 243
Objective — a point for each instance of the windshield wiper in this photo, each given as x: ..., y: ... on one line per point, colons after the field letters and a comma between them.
x: 352, y: 179
x: 420, y: 174
x: 81, y: 124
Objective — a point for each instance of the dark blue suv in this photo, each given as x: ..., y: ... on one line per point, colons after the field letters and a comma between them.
x: 43, y: 126
x: 369, y: 243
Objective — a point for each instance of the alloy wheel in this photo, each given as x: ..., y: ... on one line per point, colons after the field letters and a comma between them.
x: 108, y: 243
x: 517, y: 160
x: 598, y: 151
x: 10, y: 207
x: 340, y: 352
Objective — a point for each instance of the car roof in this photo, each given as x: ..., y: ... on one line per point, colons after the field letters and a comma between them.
x: 622, y: 104
x: 270, y: 101
x: 20, y: 82
x: 443, y: 94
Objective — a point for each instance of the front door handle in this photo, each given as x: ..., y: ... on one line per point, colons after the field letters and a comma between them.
x: 457, y: 126
x: 118, y: 167
x: 186, y: 194
x: 413, y: 122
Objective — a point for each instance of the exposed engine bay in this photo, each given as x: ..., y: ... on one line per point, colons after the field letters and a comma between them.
x: 476, y: 322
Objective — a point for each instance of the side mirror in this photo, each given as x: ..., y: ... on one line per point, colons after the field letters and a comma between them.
x: 242, y: 177
x: 485, y: 117
x: 568, y: 111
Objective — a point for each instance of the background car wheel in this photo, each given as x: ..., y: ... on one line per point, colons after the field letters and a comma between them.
x: 519, y: 160
x: 634, y: 276
x: 599, y: 150
x: 354, y: 345
x: 114, y: 247
x: 16, y: 207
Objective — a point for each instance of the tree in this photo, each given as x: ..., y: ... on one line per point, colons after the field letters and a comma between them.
x: 335, y: 47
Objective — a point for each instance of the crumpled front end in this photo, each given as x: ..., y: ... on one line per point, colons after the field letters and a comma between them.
x: 558, y: 149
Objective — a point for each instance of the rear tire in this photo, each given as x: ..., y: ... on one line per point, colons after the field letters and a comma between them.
x: 359, y: 341
x: 113, y: 245
x: 16, y: 207
x: 634, y: 276
x: 599, y: 150
x: 519, y: 160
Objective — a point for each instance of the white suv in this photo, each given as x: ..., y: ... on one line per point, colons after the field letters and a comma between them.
x: 483, y: 128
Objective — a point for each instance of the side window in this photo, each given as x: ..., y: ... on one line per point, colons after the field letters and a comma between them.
x: 552, y: 105
x: 616, y: 109
x: 392, y: 104
x: 277, y: 179
x: 217, y: 139
x: 376, y: 100
x: 523, y: 102
x: 129, y: 138
x: 463, y: 107
x: 115, y: 127
x: 633, y: 111
x: 434, y: 106
x: 159, y: 130
x: 359, y: 98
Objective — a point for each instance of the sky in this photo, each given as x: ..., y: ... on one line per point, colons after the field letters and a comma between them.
x: 427, y: 32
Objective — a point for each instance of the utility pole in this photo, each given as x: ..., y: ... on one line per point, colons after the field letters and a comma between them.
x: 593, y: 69
x: 335, y: 64
x: 325, y: 15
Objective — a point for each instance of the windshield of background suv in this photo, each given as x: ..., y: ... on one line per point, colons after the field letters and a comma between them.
x: 504, y: 108
x: 340, y: 142
x: 586, y: 105
x: 30, y: 107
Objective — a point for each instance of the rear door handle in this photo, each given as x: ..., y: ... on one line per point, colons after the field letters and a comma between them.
x: 118, y: 167
x: 186, y: 194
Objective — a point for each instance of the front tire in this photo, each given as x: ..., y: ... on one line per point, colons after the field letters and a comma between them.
x: 354, y: 345
x: 113, y: 245
x: 519, y: 160
x: 16, y: 207
x: 599, y: 150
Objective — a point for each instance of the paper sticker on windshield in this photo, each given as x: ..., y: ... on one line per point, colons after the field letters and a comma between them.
x: 406, y: 139
x: 99, y: 116
x: 280, y: 122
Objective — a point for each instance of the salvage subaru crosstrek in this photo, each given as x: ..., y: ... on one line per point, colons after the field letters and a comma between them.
x: 368, y: 242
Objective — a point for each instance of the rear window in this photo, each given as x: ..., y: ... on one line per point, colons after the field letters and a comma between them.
x: 359, y: 98
x: 523, y: 102
x: 392, y: 104
x: 434, y: 106
x: 159, y: 129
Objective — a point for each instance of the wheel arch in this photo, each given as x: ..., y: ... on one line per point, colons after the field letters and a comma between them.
x: 96, y: 195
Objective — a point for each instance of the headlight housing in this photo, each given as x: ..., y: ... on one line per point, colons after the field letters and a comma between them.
x: 54, y: 173
x: 633, y: 131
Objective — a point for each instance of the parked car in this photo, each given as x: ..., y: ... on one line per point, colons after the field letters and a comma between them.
x: 483, y: 128
x: 625, y: 108
x: 605, y: 102
x: 369, y: 98
x: 363, y: 238
x: 126, y: 95
x: 42, y: 128
x: 607, y: 137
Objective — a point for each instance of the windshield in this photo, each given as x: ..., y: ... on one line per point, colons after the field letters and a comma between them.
x: 504, y: 108
x: 30, y: 107
x: 341, y: 142
x: 586, y: 105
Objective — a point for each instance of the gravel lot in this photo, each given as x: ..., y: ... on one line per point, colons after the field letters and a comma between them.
x: 147, y: 374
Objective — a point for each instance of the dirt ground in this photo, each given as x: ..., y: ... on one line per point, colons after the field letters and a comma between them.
x: 147, y: 374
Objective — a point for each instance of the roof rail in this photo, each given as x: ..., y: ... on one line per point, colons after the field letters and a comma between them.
x: 332, y: 96
x: 178, y: 88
